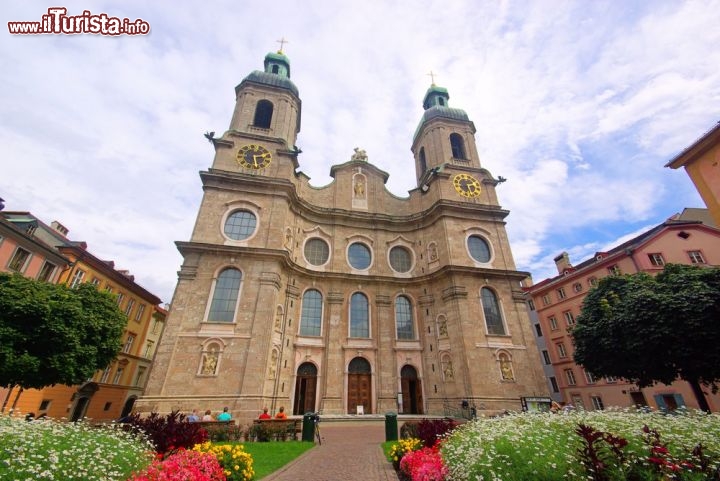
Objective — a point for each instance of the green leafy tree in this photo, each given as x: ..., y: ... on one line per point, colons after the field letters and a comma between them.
x: 51, y: 334
x: 652, y: 329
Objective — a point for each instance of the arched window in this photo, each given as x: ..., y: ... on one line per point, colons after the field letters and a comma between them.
x: 359, y: 365
x: 359, y: 316
x: 225, y: 296
x: 275, y: 68
x: 423, y: 161
x: 263, y: 114
x: 403, y: 318
x: 491, y: 308
x: 311, y: 319
x: 458, y: 146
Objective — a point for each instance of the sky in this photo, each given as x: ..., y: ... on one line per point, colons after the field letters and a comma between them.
x: 578, y: 104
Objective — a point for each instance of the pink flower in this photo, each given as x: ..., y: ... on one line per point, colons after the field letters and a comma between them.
x: 183, y: 466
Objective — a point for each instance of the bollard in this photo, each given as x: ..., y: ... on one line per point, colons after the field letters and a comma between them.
x: 308, y: 427
x: 391, y: 427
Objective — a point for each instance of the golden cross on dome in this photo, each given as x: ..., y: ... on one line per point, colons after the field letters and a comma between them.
x: 282, y: 43
x: 432, y: 77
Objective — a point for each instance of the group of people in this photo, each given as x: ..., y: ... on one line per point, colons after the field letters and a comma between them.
x: 224, y: 416
x: 280, y: 414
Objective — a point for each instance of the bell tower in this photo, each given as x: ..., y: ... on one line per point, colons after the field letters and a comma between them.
x: 445, y: 135
x: 267, y: 103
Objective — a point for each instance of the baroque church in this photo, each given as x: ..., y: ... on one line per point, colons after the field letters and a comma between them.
x: 344, y: 299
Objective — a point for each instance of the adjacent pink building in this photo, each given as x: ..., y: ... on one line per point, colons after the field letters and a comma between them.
x: 22, y: 252
x: 558, y: 301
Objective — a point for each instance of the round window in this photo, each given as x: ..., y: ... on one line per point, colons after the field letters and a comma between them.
x: 479, y: 248
x: 400, y: 259
x: 240, y: 225
x: 317, y: 251
x: 359, y: 256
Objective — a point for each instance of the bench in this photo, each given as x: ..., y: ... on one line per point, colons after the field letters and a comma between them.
x: 215, y: 423
x: 275, y: 429
x: 221, y: 430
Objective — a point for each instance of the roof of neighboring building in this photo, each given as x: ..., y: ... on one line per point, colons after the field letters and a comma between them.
x: 63, y: 246
x: 46, y: 249
x: 622, y: 248
x: 78, y: 250
x: 697, y: 148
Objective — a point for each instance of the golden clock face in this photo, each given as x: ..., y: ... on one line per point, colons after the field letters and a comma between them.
x: 254, y: 156
x: 467, y: 185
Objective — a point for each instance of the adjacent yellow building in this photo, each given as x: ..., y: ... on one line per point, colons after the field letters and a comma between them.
x: 702, y: 163
x: 111, y: 393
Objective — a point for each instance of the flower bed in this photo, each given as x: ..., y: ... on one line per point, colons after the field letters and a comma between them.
x: 594, y: 445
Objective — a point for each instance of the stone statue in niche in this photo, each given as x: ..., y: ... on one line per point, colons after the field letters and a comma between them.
x: 506, y: 369
x: 448, y: 369
x: 442, y: 327
x: 288, y: 239
x: 359, y: 154
x: 273, y: 364
x: 432, y: 252
x: 209, y: 364
x: 359, y: 187
x: 278, y: 317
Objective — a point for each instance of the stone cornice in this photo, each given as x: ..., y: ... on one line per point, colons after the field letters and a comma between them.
x: 282, y: 257
x: 261, y: 184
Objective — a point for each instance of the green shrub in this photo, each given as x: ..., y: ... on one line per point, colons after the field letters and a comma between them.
x: 224, y: 432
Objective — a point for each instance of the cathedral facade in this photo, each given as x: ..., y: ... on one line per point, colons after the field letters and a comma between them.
x: 344, y: 299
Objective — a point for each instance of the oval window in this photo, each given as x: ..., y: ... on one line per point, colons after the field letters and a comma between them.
x: 240, y: 225
x: 317, y: 251
x: 359, y: 256
x: 400, y: 259
x: 479, y: 248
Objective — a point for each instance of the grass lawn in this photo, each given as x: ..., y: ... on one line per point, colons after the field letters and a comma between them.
x: 271, y: 456
x: 386, y: 448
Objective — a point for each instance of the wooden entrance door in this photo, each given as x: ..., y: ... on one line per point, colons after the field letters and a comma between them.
x: 359, y: 386
x: 411, y: 391
x: 305, y: 389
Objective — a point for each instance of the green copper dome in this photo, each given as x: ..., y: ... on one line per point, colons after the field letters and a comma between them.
x: 276, y: 74
x: 436, y: 96
x: 435, y: 104
x: 280, y: 60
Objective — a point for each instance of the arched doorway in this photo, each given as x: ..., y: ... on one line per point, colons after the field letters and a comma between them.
x: 305, y: 388
x: 411, y: 391
x: 359, y: 386
x: 83, y: 394
x: 128, y: 407
x: 80, y: 409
